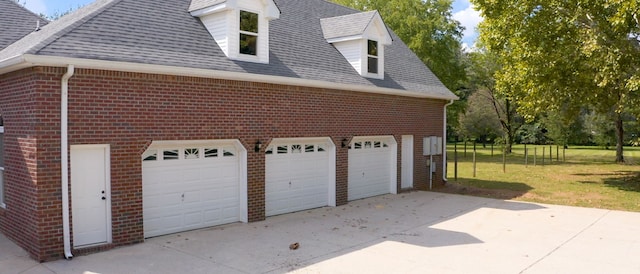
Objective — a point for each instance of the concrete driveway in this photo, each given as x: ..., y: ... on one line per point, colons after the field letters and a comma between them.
x: 417, y: 232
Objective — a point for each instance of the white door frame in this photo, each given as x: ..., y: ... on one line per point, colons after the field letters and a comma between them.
x: 107, y: 187
x: 407, y: 161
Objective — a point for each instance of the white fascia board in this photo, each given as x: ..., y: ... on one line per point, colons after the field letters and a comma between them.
x: 272, y: 12
x: 54, y: 61
x: 13, y: 64
x: 345, y: 39
x: 212, y: 9
x: 385, y: 36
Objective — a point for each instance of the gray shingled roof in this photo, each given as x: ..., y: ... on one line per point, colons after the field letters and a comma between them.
x: 16, y: 22
x: 346, y: 25
x: 164, y: 33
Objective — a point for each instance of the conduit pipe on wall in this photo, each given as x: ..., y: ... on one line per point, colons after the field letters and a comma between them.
x: 64, y: 156
x: 444, y: 143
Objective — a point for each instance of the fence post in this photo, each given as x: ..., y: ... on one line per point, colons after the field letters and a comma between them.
x: 557, y: 153
x: 535, y: 156
x: 455, y: 161
x: 543, y: 155
x: 550, y: 155
x: 474, y: 164
x: 504, y: 160
x: 526, y: 156
x: 465, y: 148
x: 563, y: 154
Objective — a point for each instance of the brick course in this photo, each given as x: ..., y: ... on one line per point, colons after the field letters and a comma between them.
x: 130, y: 110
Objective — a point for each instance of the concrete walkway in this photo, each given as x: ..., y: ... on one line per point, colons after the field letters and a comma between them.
x: 418, y: 232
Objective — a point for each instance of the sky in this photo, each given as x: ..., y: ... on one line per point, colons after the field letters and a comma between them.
x: 463, y: 11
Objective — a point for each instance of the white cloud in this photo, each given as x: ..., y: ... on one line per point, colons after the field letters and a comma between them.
x: 36, y: 6
x: 469, y: 18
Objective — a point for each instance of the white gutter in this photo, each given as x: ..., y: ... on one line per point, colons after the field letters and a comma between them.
x: 28, y: 60
x: 444, y: 143
x: 64, y: 156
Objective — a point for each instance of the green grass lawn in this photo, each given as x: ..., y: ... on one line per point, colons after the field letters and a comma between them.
x: 588, y: 176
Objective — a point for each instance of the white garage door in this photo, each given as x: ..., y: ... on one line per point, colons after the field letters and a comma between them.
x: 191, y: 185
x: 372, y: 166
x: 300, y: 174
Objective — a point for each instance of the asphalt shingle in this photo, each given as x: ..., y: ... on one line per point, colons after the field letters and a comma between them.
x: 16, y: 22
x: 164, y: 33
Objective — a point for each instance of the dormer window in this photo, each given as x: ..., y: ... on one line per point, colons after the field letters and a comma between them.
x: 360, y: 38
x: 248, y: 33
x: 372, y: 56
x: 239, y: 27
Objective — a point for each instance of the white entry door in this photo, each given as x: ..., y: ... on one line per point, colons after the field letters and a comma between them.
x: 407, y: 161
x: 299, y: 175
x: 90, y: 195
x: 372, y: 167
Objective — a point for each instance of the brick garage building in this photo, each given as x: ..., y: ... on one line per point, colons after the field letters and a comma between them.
x: 129, y: 119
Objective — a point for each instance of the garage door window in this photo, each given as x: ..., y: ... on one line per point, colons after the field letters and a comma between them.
x: 229, y: 152
x: 151, y: 155
x: 170, y: 154
x: 295, y: 149
x: 191, y: 153
x: 368, y: 145
x: 186, y: 153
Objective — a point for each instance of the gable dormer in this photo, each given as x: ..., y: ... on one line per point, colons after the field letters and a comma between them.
x: 360, y: 38
x: 239, y: 27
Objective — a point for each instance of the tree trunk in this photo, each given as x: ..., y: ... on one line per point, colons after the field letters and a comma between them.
x: 508, y: 143
x: 619, y: 139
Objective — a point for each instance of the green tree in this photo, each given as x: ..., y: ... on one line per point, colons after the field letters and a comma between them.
x: 564, y: 129
x: 482, y: 66
x: 428, y: 28
x: 565, y: 54
x: 480, y: 122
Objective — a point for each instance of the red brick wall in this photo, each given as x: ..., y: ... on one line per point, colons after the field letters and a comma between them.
x: 20, y: 220
x: 129, y: 110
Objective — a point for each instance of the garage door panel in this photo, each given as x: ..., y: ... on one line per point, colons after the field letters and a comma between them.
x: 199, y: 188
x: 297, y: 176
x: 369, y: 167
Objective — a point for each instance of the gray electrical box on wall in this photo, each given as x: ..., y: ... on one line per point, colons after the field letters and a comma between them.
x: 432, y: 146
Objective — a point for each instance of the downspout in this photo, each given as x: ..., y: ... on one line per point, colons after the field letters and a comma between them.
x: 444, y: 143
x: 64, y: 156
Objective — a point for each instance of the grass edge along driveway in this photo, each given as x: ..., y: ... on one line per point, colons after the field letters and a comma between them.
x: 588, y: 176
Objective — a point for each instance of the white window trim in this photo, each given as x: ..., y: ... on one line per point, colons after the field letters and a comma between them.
x: 248, y: 57
x: 377, y: 57
x: 256, y: 34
